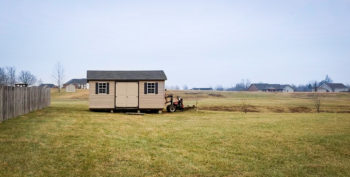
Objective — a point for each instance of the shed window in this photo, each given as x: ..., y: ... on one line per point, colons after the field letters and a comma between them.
x: 151, y: 87
x: 102, y: 88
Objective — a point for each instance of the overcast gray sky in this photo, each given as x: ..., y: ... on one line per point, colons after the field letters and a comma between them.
x: 198, y: 43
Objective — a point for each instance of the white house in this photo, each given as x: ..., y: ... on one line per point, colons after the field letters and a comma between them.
x: 332, y: 87
x: 287, y: 88
x: 78, y: 83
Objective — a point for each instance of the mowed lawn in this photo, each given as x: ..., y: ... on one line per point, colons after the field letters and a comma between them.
x: 66, y: 139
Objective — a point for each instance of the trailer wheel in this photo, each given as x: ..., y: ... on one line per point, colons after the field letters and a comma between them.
x: 171, y: 108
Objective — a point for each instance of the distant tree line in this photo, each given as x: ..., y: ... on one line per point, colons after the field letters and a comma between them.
x: 241, y: 86
x: 9, y: 77
x: 245, y: 84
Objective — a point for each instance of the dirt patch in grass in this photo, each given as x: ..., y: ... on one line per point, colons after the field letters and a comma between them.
x: 215, y: 95
x: 276, y: 109
x: 238, y: 108
x: 335, y: 111
x: 299, y: 109
x: 302, y: 95
x: 192, y: 93
x: 343, y: 111
x: 251, y: 108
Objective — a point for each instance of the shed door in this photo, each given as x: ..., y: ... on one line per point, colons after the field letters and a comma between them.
x: 127, y: 94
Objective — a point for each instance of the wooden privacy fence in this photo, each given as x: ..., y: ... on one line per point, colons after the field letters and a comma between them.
x: 16, y: 101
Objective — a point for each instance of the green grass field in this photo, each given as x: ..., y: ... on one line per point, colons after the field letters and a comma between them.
x: 282, y: 136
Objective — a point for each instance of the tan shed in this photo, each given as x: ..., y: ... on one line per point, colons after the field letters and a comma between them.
x: 70, y: 88
x: 138, y: 90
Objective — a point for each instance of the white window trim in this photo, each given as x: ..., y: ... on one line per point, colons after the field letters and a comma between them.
x: 98, y: 88
x: 154, y: 88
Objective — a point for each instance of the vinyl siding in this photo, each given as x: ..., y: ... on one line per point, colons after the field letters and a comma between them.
x: 152, y: 101
x: 341, y: 90
x: 324, y: 88
x: 321, y: 90
x: 288, y: 89
x: 101, y: 101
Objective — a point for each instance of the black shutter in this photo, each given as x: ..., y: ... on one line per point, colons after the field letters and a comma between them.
x: 156, y: 84
x: 96, y: 88
x: 107, y: 88
x: 145, y: 88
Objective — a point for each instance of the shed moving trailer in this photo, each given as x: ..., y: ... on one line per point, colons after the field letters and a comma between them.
x: 139, y: 90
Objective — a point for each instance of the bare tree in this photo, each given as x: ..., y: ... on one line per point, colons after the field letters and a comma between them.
x: 185, y: 87
x: 58, y: 74
x: 315, y: 86
x: 11, y: 75
x: 39, y: 82
x: 242, y: 86
x: 247, y: 84
x: 244, y: 106
x: 328, y: 79
x: 3, y: 76
x: 27, y: 78
x: 317, y: 103
x: 219, y: 88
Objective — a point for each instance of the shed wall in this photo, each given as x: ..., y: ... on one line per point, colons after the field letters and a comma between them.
x: 101, y: 101
x: 152, y: 101
x: 70, y: 88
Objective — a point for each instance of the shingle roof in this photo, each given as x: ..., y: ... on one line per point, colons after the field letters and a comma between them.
x: 48, y: 85
x: 264, y: 86
x: 76, y: 81
x: 334, y: 86
x: 126, y: 75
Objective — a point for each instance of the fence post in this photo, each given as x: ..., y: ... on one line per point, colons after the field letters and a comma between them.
x: 1, y: 103
x: 6, y: 102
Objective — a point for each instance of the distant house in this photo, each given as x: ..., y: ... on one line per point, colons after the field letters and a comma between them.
x: 48, y: 85
x: 70, y: 88
x: 332, y: 87
x: 78, y: 83
x: 263, y: 87
x: 202, y: 89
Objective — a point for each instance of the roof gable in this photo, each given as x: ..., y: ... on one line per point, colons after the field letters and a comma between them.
x: 47, y: 84
x: 334, y: 86
x: 76, y: 81
x: 126, y: 75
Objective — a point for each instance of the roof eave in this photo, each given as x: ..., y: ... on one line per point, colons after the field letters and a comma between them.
x: 106, y: 79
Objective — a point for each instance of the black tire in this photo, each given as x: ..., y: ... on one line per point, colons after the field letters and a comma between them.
x: 171, y: 108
